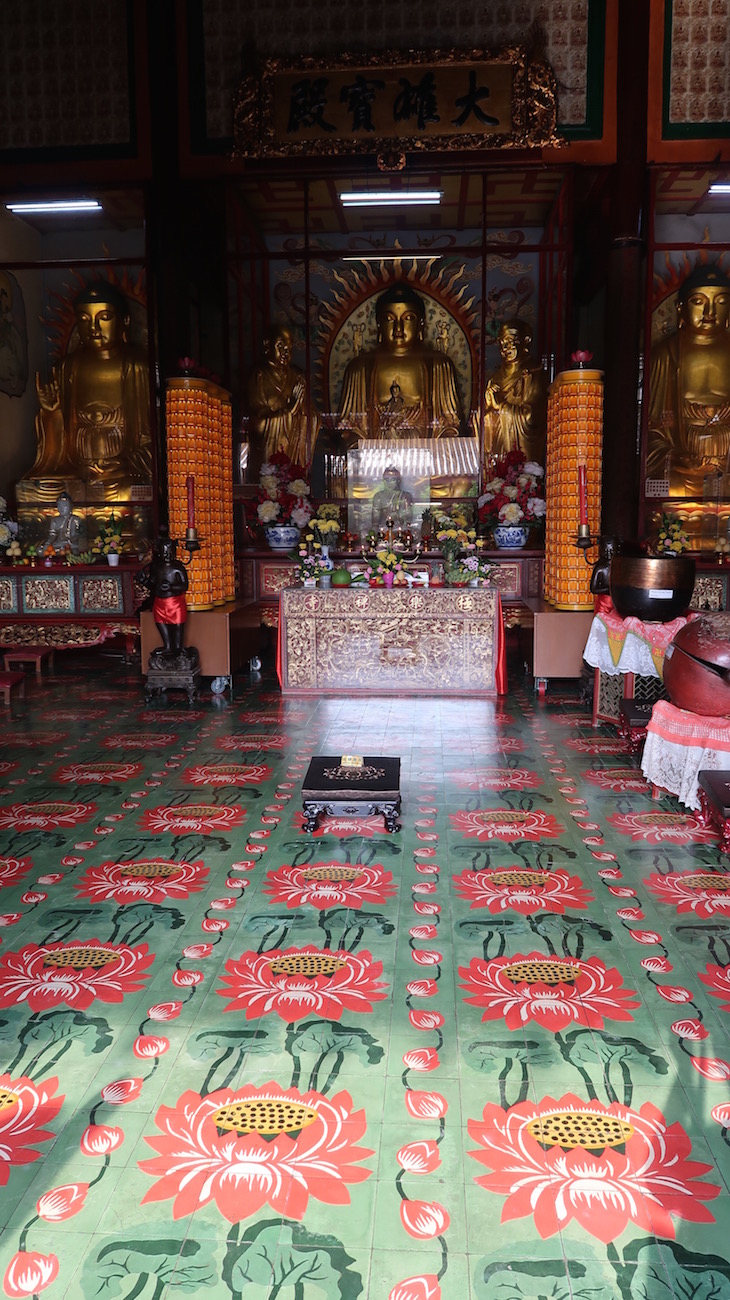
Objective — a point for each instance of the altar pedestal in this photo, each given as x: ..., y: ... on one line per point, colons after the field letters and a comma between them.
x: 679, y: 745
x: 391, y: 641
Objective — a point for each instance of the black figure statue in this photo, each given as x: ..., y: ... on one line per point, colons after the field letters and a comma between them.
x: 171, y: 666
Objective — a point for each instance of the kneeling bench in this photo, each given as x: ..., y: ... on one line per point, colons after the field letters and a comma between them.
x: 27, y: 655
x: 714, y: 796
x: 335, y: 787
x: 9, y: 682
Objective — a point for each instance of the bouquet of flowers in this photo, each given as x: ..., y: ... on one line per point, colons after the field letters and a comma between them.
x: 472, y: 566
x: 671, y: 538
x: 8, y: 532
x: 453, y: 533
x: 514, y: 493
x: 385, y: 561
x: 283, y: 493
x: 109, y: 539
x: 326, y: 525
x: 310, y: 566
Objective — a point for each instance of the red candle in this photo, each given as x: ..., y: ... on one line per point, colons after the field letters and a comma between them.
x: 582, y: 496
x: 190, y: 484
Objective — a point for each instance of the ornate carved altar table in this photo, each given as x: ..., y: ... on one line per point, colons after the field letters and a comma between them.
x: 679, y: 745
x: 388, y: 641
x: 68, y: 606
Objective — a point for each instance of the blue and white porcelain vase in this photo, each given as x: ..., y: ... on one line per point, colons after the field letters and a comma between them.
x: 510, y: 537
x: 325, y: 554
x: 282, y: 537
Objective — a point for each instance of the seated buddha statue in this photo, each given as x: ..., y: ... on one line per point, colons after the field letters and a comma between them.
x: 402, y: 388
x: 277, y: 402
x: 391, y: 501
x: 515, y: 398
x: 94, y: 418
x: 689, y: 387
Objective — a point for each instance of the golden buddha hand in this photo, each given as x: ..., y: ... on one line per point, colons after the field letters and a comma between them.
x: 49, y: 394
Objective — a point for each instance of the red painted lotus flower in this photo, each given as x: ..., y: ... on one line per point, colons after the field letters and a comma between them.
x: 419, y: 1157
x: 187, y: 979
x: 621, y: 779
x: 98, y: 773
x: 721, y: 1114
x: 50, y: 878
x: 253, y: 742
x: 297, y: 982
x: 645, y: 936
x: 427, y: 909
x: 72, y: 973
x: 148, y: 1046
x: 673, y: 992
x: 29, y: 1272
x: 424, y: 1059
x: 519, y: 889
x: 25, y: 1109
x: 330, y: 884
x: 423, y: 931
x: 423, y: 887
x: 706, y: 893
x: 248, y: 1147
x: 426, y: 1019
x: 145, y: 880
x: 610, y: 873
x: 717, y: 980
x: 630, y: 914
x: 45, y: 816
x: 504, y: 824
x: 596, y: 745
x: 197, y: 951
x: 344, y: 826
x: 197, y: 818
x: 424, y: 1219
x: 426, y: 868
x: 604, y: 1166
x: 227, y: 774
x: 497, y: 778
x: 13, y: 870
x: 662, y: 827
x: 711, y: 1067
x: 121, y: 1091
x: 211, y: 925
x: 690, y: 1029
x: 422, y: 988
x: 424, y: 1287
x: 425, y: 1105
x: 165, y: 1011
x: 554, y: 992
x: 621, y: 891
x: 62, y: 1202
x: 100, y: 1140
x: 32, y: 897
x: 10, y: 918
x: 658, y: 965
x: 427, y: 957
x: 222, y: 904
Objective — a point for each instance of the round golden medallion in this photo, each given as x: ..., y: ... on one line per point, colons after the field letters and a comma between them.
x: 519, y: 877
x: 569, y: 1129
x: 307, y: 964
x: 707, y: 880
x: 332, y: 873
x: 7, y: 1099
x: 267, y: 1116
x: 542, y: 972
x: 80, y: 958
x: 148, y: 870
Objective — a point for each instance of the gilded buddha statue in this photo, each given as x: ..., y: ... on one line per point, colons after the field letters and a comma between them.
x: 689, y: 387
x: 94, y: 418
x: 402, y: 388
x: 515, y: 398
x: 277, y: 401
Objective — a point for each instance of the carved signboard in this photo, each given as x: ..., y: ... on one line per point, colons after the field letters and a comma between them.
x: 395, y: 102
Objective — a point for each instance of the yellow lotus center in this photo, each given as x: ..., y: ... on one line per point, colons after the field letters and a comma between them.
x: 541, y: 972
x: 149, y: 870
x: 80, y: 958
x: 195, y: 810
x: 50, y: 809
x: 8, y: 1098
x: 334, y: 874
x: 568, y: 1130
x: 660, y: 819
x: 518, y: 877
x: 226, y: 769
x: 308, y: 964
x: 707, y: 881
x: 501, y: 817
x: 266, y: 1116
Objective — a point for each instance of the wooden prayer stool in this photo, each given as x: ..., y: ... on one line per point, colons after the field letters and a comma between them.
x: 633, y: 719
x: 345, y: 786
x: 29, y: 656
x: 10, y: 682
x: 714, y: 797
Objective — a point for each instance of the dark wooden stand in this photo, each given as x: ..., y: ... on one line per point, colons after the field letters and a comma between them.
x: 331, y: 790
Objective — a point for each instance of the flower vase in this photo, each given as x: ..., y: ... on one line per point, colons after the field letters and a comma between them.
x: 325, y: 554
x: 281, y: 537
x: 325, y: 579
x: 388, y: 578
x: 112, y: 559
x: 510, y: 537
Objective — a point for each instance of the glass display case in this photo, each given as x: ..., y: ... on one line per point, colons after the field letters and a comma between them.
x: 400, y: 480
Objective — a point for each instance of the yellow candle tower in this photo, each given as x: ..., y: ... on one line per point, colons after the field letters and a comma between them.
x: 573, y: 484
x: 199, y: 447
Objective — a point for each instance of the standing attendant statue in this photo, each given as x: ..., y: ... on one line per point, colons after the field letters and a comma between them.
x: 515, y: 398
x: 277, y: 401
x: 169, y: 582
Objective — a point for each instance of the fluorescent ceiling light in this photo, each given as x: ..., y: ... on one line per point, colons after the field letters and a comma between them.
x: 56, y: 205
x: 393, y: 257
x: 720, y: 187
x: 389, y: 198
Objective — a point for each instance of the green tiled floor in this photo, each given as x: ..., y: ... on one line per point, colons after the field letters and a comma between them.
x: 486, y: 1058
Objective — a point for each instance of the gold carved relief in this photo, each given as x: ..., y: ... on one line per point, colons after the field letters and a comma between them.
x: 48, y: 595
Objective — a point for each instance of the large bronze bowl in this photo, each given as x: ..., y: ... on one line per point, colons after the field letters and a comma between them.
x: 697, y: 666
x: 653, y: 588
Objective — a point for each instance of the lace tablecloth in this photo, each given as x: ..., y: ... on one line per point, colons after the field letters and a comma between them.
x: 627, y: 645
x: 679, y: 745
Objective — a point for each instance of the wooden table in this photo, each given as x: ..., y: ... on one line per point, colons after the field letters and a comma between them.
x: 391, y: 641
x: 226, y: 638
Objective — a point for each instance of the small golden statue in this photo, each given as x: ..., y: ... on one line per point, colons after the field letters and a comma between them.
x: 689, y: 387
x: 277, y: 400
x: 403, y: 388
x: 515, y: 398
x: 94, y: 421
